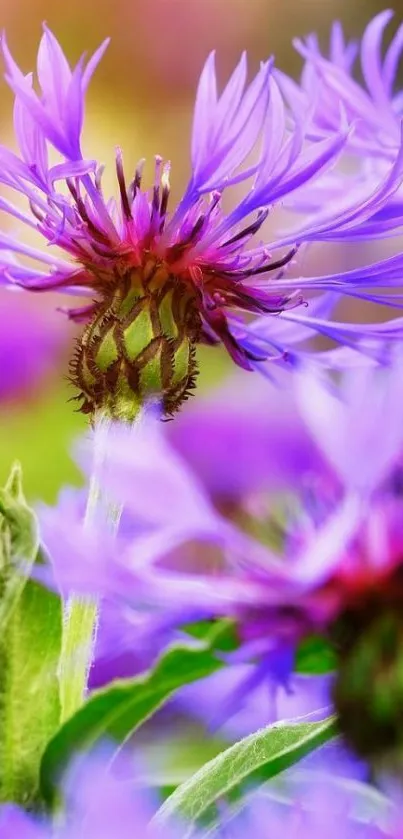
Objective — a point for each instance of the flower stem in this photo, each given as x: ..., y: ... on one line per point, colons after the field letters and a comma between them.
x: 81, y: 613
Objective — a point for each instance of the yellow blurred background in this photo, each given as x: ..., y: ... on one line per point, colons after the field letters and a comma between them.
x: 141, y: 98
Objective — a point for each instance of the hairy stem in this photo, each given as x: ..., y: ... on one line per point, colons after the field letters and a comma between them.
x: 81, y: 613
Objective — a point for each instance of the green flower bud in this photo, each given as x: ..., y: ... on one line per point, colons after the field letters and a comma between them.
x: 139, y: 345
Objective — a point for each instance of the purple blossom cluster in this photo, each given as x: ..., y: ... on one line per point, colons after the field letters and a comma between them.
x: 271, y: 511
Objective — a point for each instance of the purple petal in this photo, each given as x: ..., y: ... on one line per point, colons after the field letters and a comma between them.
x: 54, y: 73
x: 254, y: 421
x: 346, y: 424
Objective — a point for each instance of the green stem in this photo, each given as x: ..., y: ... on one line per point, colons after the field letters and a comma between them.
x: 81, y: 613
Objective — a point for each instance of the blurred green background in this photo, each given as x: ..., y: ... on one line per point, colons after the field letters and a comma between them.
x: 141, y: 98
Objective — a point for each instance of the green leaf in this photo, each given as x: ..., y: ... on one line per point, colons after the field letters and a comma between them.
x: 223, y: 629
x: 258, y: 757
x: 29, y: 691
x: 123, y: 706
x: 19, y: 542
x: 30, y: 637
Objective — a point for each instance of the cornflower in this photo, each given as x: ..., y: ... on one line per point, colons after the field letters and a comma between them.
x: 374, y: 105
x: 162, y: 281
x: 327, y: 560
x: 341, y: 544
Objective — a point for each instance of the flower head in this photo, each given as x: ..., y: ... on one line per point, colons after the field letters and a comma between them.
x: 162, y: 280
x: 329, y: 562
x: 337, y: 567
x: 182, y: 555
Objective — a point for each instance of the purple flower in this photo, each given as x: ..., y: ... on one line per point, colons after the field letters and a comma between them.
x: 89, y: 559
x: 237, y: 701
x: 245, y: 438
x: 280, y: 568
x: 104, y: 803
x: 30, y: 344
x: 374, y: 106
x: 320, y: 537
x: 56, y: 114
x: 98, y: 804
x: 165, y: 281
x: 181, y: 555
x: 342, y: 553
x: 327, y: 83
x: 327, y: 88
x: 314, y: 806
x: 15, y: 824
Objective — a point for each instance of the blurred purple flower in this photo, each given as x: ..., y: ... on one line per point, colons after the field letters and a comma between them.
x: 265, y: 562
x: 133, y: 627
x: 280, y: 568
x: 320, y: 537
x: 30, y: 344
x: 98, y: 804
x: 327, y: 83
x: 314, y: 807
x: 244, y: 438
x: 105, y: 803
x: 135, y: 247
x: 237, y: 702
x: 374, y: 105
x: 344, y: 523
x: 159, y: 517
x: 15, y: 824
x: 343, y: 548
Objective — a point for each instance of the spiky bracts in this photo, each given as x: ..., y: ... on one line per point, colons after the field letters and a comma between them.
x: 139, y: 344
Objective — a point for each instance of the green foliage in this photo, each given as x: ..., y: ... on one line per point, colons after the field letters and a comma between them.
x: 258, y: 757
x: 123, y: 706
x: 41, y: 438
x: 19, y: 542
x: 222, y: 629
x: 30, y: 636
x: 53, y: 422
x: 315, y: 656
